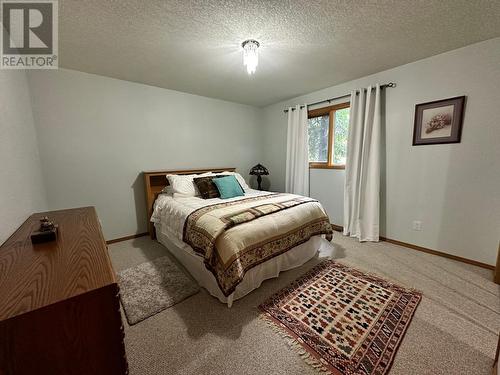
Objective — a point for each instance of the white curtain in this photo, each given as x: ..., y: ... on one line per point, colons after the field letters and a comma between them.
x: 362, y: 171
x: 297, y: 152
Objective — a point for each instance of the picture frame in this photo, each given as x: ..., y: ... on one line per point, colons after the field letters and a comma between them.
x: 439, y: 122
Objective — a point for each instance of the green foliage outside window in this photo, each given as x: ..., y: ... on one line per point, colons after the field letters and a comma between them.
x: 340, y: 136
x: 318, y: 138
x: 318, y: 129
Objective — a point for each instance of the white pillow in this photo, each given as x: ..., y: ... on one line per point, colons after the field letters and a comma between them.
x: 240, y: 179
x: 183, y: 184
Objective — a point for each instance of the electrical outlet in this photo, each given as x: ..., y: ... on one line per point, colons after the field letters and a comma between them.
x: 417, y: 225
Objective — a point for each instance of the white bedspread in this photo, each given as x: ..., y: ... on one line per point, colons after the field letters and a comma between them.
x: 171, y: 213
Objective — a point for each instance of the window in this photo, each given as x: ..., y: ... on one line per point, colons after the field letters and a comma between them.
x: 328, y: 128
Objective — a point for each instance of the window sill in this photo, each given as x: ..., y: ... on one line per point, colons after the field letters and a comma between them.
x: 326, y: 166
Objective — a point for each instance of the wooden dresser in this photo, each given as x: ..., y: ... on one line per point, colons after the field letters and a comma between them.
x: 59, y: 301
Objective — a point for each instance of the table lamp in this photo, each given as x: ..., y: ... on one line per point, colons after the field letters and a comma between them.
x: 259, y: 170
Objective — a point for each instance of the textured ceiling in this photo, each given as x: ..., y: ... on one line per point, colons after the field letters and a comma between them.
x: 194, y: 46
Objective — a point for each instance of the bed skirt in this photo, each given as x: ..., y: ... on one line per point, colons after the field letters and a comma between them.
x: 254, y: 277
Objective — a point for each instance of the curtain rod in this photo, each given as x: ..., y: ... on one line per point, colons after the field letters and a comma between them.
x: 390, y: 84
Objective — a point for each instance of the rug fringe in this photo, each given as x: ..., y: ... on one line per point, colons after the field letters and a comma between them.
x: 295, y: 345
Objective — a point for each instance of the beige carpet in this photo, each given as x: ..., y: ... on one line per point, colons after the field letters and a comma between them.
x: 454, y: 331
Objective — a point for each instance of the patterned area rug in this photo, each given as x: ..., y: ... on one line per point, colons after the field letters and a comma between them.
x: 343, y: 321
x: 151, y: 287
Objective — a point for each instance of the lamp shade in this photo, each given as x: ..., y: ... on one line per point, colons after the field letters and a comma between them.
x: 259, y: 170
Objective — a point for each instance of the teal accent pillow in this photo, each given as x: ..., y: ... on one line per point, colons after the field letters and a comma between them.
x: 228, y: 187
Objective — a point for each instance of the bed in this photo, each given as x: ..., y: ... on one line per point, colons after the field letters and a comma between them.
x: 230, y: 246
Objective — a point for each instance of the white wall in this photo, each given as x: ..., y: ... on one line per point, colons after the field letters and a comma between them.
x: 453, y: 189
x: 98, y: 134
x: 21, y: 185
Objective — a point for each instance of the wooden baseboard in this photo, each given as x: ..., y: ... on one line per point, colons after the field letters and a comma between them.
x: 131, y: 237
x: 339, y: 228
x: 439, y: 253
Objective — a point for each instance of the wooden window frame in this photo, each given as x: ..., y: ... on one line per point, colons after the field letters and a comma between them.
x: 330, y: 111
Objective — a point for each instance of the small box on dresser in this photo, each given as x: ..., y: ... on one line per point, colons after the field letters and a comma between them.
x: 59, y: 300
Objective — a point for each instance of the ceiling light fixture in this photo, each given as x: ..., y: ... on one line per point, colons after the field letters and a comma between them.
x: 250, y: 55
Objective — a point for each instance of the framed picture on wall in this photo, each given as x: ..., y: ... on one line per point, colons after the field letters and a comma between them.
x: 439, y: 122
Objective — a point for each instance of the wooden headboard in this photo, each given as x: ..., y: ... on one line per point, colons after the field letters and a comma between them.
x: 155, y: 181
